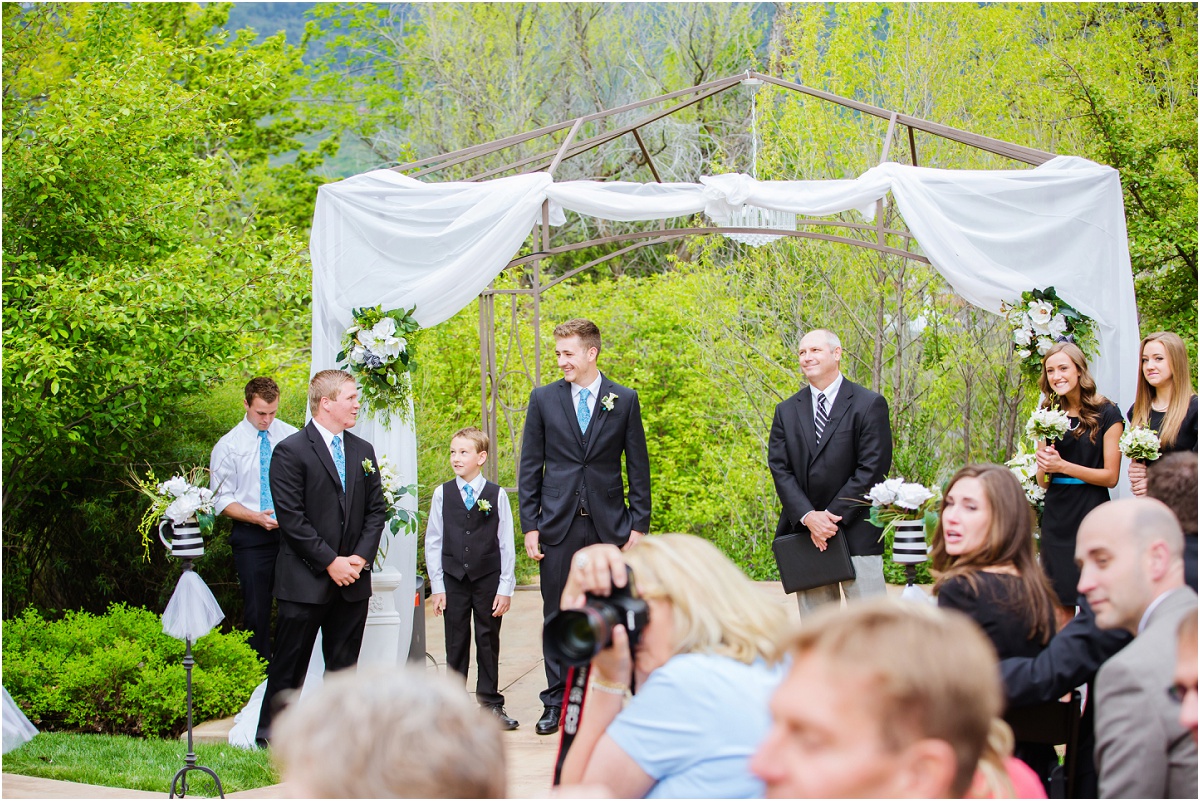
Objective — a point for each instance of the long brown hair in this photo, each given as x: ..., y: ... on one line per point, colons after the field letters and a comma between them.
x: 1181, y: 387
x: 1009, y: 542
x: 1090, y: 401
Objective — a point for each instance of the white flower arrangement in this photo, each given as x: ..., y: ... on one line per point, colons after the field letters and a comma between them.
x: 1040, y: 319
x: 1141, y: 443
x: 178, y: 499
x: 895, y: 499
x: 400, y: 520
x: 609, y: 401
x: 1024, y: 466
x: 1047, y: 424
x: 377, y: 350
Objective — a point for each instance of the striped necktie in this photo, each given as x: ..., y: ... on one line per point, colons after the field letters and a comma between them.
x: 822, y: 416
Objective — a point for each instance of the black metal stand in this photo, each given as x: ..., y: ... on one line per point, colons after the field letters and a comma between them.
x: 910, y: 574
x: 180, y: 779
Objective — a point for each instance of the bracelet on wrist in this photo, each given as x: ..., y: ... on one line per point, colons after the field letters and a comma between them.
x: 612, y: 688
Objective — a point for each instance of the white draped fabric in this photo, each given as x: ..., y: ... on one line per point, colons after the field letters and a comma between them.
x: 383, y: 238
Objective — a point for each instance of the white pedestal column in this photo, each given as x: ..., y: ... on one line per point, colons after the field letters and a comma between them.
x: 381, y: 639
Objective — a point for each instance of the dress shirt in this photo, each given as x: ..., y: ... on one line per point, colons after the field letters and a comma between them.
x: 830, y: 393
x: 234, y: 463
x: 433, y: 537
x: 593, y: 390
x: 328, y: 436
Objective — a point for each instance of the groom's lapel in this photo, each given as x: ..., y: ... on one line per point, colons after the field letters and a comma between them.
x: 804, y: 410
x: 323, y: 455
x: 599, y: 416
x: 353, y: 472
x: 564, y: 393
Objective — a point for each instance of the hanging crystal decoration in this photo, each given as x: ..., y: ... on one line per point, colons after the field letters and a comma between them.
x: 754, y: 216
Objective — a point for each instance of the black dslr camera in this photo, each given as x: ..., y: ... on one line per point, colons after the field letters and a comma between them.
x: 575, y: 636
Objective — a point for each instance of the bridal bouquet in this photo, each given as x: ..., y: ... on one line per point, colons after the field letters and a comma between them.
x: 1024, y: 467
x: 895, y: 499
x: 400, y: 520
x: 179, y: 498
x: 1040, y: 319
x: 1047, y: 424
x: 377, y: 350
x: 1141, y: 443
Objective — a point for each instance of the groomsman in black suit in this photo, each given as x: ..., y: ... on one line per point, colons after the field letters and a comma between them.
x: 571, y: 494
x: 830, y: 443
x: 331, y: 512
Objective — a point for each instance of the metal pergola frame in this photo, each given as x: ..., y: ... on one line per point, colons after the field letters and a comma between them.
x: 492, y: 372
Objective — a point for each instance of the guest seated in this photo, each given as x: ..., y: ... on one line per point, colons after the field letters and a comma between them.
x: 394, y: 732
x: 983, y: 556
x: 886, y: 699
x: 1172, y: 480
x: 703, y: 669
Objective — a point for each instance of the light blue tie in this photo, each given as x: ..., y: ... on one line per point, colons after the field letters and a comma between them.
x: 264, y: 473
x: 582, y: 413
x: 470, y: 493
x: 339, y: 459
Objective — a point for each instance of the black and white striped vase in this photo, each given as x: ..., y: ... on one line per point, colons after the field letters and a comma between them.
x: 908, y: 545
x: 182, y: 541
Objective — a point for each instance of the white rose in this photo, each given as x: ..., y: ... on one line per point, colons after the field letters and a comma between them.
x: 1024, y: 353
x: 1044, y: 344
x: 1022, y: 336
x: 911, y: 496
x: 174, y: 486
x: 1057, y: 325
x: 881, y: 495
x: 367, y: 338
x: 358, y: 354
x: 384, y: 328
x: 1040, y: 312
x: 390, y: 348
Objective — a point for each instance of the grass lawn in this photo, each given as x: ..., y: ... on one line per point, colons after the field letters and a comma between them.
x: 136, y: 764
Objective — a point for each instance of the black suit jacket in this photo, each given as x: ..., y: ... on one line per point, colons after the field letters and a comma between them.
x: 318, y: 521
x: 562, y: 469
x: 854, y: 455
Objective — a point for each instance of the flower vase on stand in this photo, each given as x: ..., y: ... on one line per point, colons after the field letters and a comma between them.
x: 183, y: 541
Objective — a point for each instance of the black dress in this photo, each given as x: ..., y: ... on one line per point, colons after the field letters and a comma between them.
x: 1185, y: 438
x: 994, y: 604
x: 1068, y: 503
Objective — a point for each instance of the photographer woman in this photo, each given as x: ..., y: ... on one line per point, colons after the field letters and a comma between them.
x: 705, y: 667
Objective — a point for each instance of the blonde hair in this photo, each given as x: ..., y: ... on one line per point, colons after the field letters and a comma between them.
x: 1181, y: 387
x: 716, y: 608
x: 389, y: 732
x: 326, y: 384
x: 587, y: 331
x: 476, y: 437
x: 991, y: 778
x: 947, y: 688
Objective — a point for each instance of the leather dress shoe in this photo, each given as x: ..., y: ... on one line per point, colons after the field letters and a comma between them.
x: 551, y: 717
x: 506, y: 723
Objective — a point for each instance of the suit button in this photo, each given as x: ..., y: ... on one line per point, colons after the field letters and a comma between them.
x: 468, y: 533
x: 576, y: 492
x: 585, y: 467
x: 467, y: 548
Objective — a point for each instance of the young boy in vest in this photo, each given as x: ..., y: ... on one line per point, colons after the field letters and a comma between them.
x: 471, y: 562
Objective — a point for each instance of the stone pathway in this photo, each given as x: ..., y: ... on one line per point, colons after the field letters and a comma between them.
x: 530, y: 757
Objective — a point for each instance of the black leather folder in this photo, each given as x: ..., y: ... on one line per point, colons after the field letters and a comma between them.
x: 803, y: 567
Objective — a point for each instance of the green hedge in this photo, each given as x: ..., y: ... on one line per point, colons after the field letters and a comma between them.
x: 119, y: 673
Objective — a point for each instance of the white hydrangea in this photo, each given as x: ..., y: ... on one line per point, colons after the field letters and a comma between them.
x: 884, y: 493
x: 911, y: 496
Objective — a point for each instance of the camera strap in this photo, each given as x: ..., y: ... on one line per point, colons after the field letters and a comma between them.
x: 577, y: 679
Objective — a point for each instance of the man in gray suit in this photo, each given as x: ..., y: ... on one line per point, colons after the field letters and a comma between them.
x: 1130, y: 554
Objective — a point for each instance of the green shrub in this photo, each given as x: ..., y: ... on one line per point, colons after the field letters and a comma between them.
x: 119, y: 673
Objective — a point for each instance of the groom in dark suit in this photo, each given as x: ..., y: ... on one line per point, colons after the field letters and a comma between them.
x: 571, y: 493
x: 830, y: 443
x: 331, y: 512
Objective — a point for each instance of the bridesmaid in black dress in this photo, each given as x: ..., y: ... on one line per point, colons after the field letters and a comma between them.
x: 984, y: 560
x: 1165, y: 400
x: 1077, y: 470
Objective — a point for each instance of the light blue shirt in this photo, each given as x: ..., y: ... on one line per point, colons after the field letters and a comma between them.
x: 695, y: 724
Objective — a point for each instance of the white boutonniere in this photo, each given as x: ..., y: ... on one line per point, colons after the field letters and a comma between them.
x: 609, y: 401
x: 368, y: 468
x: 484, y: 507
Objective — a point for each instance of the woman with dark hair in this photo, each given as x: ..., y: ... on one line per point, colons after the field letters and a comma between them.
x: 1078, y: 469
x: 986, y: 568
x: 1165, y: 400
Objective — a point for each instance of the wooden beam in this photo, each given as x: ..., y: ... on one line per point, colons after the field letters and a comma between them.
x: 646, y: 153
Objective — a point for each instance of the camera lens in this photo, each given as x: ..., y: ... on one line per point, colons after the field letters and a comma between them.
x: 574, y: 636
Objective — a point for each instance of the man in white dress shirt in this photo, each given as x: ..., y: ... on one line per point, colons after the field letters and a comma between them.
x: 240, y: 466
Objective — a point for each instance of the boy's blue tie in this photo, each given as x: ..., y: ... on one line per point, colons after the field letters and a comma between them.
x: 264, y: 473
x: 470, y: 495
x: 582, y: 413
x: 339, y: 459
